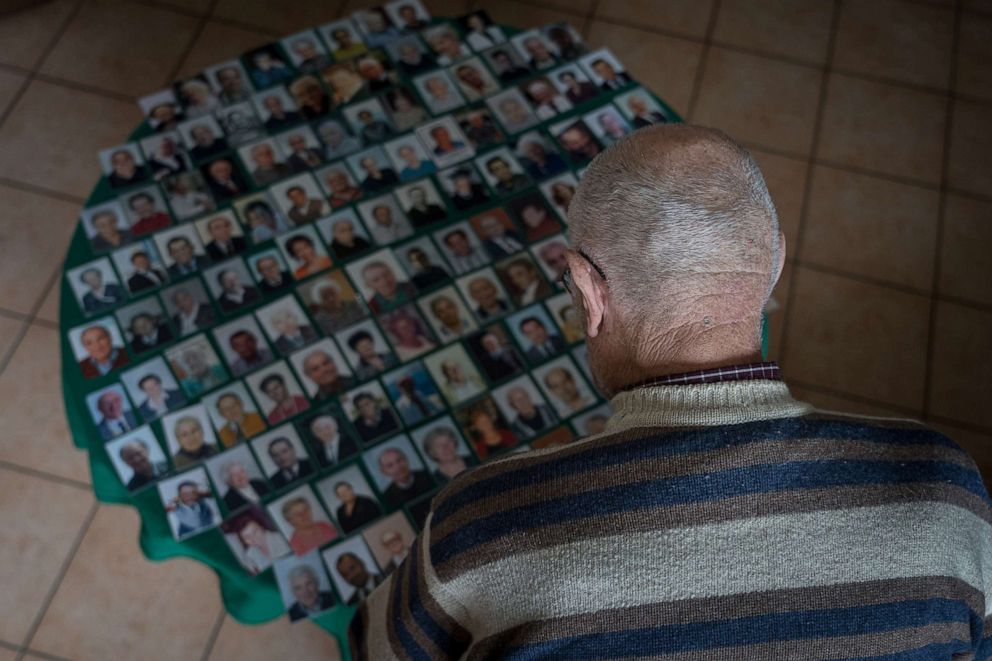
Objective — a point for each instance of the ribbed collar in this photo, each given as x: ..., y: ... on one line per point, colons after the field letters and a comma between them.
x: 702, y: 405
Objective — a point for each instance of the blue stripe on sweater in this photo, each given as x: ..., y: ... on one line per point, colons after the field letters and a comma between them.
x: 678, y: 442
x: 403, y: 635
x: 799, y: 625
x: 709, y: 487
x: 421, y: 616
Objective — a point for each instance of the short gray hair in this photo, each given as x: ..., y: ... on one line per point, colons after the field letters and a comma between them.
x: 673, y: 210
x: 302, y: 570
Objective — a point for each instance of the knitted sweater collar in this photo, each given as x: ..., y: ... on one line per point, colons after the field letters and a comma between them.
x: 703, y: 405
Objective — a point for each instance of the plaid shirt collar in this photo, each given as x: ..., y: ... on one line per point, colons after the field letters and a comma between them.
x: 750, y: 371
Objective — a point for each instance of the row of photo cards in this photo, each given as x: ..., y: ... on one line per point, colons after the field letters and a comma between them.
x: 326, y: 279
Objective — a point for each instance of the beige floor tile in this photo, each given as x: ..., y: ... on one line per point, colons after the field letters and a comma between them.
x: 665, y: 65
x: 45, y: 144
x: 776, y: 317
x: 194, y: 6
x: 974, y: 75
x: 9, y: 328
x: 121, y: 46
x: 35, y: 228
x: 218, y: 42
x: 524, y: 15
x: 34, y: 429
x: 114, y: 602
x: 786, y: 181
x: 857, y: 338
x: 779, y: 27
x: 49, y: 310
x: 871, y: 227
x: 882, y: 127
x: 279, y: 639
x: 278, y: 17
x: 962, y: 365
x: 7, y: 655
x: 759, y: 100
x: 977, y: 444
x: 971, y: 148
x: 904, y: 41
x: 25, y: 34
x: 10, y: 84
x: 839, y: 404
x: 965, y: 267
x: 686, y: 17
x: 38, y: 525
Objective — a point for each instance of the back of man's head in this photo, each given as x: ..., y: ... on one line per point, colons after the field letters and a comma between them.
x: 679, y: 219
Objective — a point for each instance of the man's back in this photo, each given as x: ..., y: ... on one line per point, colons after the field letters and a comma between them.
x: 709, y: 521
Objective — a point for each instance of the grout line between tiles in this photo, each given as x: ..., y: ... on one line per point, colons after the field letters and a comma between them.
x: 42, y: 655
x: 587, y: 22
x: 7, y: 356
x: 860, y: 399
x: 41, y: 190
x: 13, y: 314
x: 84, y: 87
x: 864, y: 279
x: 704, y: 55
x: 197, y: 31
x: 192, y: 13
x: 32, y: 73
x: 9, y: 646
x: 214, y: 633
x: 941, y: 214
x: 59, y: 576
x: 896, y: 178
x: 961, y: 424
x: 13, y: 68
x: 808, y: 187
x: 44, y: 475
x: 894, y: 82
x: 964, y: 302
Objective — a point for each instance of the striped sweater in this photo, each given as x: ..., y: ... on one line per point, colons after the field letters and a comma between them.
x: 716, y: 521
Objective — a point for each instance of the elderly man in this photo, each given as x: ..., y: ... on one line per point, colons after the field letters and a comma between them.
x: 355, y: 573
x: 530, y: 418
x: 322, y: 371
x: 330, y: 445
x: 392, y: 541
x: 101, y: 354
x: 100, y: 295
x: 404, y: 482
x: 115, y: 419
x: 716, y: 513
x: 289, y: 467
x: 137, y: 456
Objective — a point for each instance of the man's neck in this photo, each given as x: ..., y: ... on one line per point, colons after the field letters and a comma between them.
x: 685, y: 347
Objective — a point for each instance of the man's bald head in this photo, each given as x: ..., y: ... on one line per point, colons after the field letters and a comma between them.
x: 681, y: 223
x: 676, y: 210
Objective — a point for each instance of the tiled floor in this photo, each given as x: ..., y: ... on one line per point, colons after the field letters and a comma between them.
x: 870, y: 122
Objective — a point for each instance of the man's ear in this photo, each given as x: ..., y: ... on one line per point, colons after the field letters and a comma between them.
x: 781, y: 258
x: 590, y: 289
